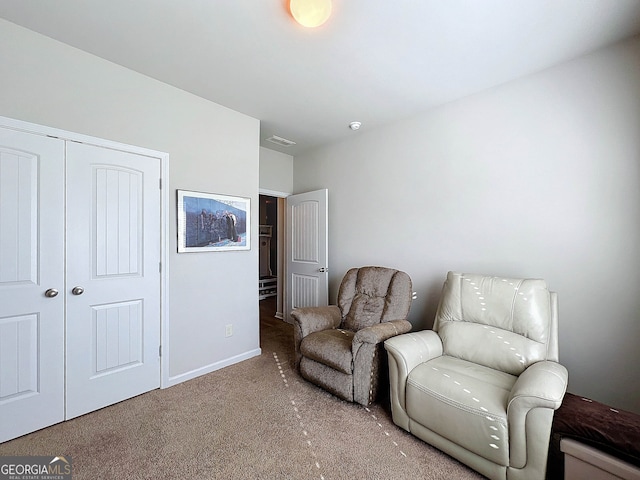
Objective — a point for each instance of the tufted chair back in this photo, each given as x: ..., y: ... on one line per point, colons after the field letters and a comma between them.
x: 502, y: 323
x: 371, y: 295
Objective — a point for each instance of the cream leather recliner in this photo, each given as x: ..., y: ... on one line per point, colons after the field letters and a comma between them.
x: 483, y: 385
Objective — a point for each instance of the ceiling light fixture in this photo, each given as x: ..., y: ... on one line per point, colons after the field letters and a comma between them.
x: 310, y: 13
x: 355, y: 125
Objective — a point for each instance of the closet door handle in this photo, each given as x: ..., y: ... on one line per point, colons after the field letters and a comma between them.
x: 52, y: 292
x: 77, y: 290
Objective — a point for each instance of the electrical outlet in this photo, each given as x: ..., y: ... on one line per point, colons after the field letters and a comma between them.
x: 414, y: 295
x: 228, y: 330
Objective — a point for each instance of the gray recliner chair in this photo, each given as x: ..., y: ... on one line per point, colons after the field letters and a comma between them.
x: 339, y: 347
x: 483, y: 385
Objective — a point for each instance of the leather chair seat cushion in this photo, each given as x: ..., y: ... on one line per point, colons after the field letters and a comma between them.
x: 331, y: 348
x: 470, y: 402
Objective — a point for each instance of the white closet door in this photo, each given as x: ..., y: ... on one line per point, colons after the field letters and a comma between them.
x: 113, y: 258
x: 31, y: 263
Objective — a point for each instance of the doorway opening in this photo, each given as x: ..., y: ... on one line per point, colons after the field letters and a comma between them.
x: 271, y: 257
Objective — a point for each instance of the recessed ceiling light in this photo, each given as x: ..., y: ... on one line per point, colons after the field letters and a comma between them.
x: 355, y: 125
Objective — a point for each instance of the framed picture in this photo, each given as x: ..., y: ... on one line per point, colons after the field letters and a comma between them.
x: 208, y: 222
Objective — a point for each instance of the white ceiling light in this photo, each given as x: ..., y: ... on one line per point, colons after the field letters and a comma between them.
x: 310, y: 13
x: 355, y: 125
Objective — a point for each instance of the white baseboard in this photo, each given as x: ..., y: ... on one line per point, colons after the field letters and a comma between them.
x: 183, y: 377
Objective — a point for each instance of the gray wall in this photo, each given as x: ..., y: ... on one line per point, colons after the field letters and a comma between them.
x: 539, y: 177
x: 212, y: 149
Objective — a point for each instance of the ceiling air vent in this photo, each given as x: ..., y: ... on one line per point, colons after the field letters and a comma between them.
x: 283, y: 142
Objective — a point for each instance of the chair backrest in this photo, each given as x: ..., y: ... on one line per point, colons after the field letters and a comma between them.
x: 502, y: 323
x: 370, y: 295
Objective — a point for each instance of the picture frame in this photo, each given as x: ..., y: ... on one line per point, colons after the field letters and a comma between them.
x: 211, y: 222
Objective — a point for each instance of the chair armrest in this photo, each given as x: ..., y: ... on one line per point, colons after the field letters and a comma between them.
x: 308, y: 320
x: 405, y: 353
x: 541, y: 386
x: 374, y: 335
x: 412, y: 349
x: 381, y: 331
x: 368, y: 358
x: 315, y: 319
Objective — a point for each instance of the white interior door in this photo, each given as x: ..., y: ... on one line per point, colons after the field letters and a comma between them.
x: 31, y: 264
x: 113, y: 276
x: 307, y: 250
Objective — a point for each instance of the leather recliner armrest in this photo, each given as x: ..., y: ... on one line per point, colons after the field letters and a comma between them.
x: 541, y: 386
x: 405, y: 353
x: 412, y: 349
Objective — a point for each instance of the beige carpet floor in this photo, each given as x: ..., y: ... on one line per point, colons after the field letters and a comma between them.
x: 254, y: 420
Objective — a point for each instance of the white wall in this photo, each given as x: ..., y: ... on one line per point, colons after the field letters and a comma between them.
x: 212, y: 149
x: 539, y: 177
x: 276, y: 172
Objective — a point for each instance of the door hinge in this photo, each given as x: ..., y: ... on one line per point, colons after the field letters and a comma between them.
x: 160, y: 351
x: 160, y: 183
x: 159, y: 267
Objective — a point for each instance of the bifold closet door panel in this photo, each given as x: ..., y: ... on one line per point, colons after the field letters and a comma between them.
x: 113, y: 277
x: 32, y: 288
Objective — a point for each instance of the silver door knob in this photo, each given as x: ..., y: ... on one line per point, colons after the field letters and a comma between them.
x: 52, y: 292
x: 77, y: 290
